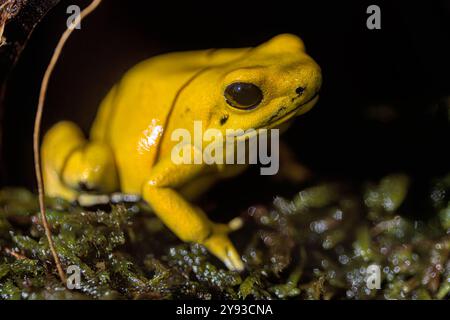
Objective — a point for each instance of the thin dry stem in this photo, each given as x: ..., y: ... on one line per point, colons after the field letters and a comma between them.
x: 37, y: 129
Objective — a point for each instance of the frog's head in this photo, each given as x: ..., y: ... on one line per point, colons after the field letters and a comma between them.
x: 263, y: 87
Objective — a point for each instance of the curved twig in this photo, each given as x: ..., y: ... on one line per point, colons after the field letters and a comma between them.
x: 37, y: 129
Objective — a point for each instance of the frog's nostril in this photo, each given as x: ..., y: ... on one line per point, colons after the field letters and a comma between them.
x: 299, y: 90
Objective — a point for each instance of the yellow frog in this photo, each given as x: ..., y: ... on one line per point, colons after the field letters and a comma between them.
x: 130, y: 143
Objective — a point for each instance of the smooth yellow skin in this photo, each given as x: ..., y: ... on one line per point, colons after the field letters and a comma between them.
x: 130, y: 142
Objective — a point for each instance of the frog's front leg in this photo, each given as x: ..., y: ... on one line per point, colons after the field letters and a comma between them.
x: 189, y: 223
x: 72, y: 165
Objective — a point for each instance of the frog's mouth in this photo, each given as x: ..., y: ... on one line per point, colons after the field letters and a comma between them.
x: 278, y: 118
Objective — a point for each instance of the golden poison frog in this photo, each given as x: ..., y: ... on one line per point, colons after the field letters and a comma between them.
x: 130, y: 145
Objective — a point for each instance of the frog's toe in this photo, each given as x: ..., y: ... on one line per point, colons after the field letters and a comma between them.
x: 220, y: 245
x: 235, y: 224
x: 233, y: 260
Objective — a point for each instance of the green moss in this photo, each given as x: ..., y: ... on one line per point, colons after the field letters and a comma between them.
x: 315, y: 246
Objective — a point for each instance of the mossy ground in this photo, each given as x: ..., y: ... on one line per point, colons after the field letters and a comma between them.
x: 314, y: 246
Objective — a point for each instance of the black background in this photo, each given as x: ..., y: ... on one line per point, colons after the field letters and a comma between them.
x: 403, y: 67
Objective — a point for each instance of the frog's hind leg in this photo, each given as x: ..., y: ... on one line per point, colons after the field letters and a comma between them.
x: 72, y: 165
x: 59, y: 142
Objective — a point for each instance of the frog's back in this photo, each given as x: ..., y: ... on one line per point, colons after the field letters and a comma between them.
x: 134, y: 114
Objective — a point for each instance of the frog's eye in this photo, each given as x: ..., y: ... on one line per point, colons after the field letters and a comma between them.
x: 243, y: 95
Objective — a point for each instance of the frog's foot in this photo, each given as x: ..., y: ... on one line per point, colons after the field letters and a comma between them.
x: 220, y: 245
x: 90, y: 200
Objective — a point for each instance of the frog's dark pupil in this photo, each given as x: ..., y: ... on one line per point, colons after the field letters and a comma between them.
x: 243, y: 95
